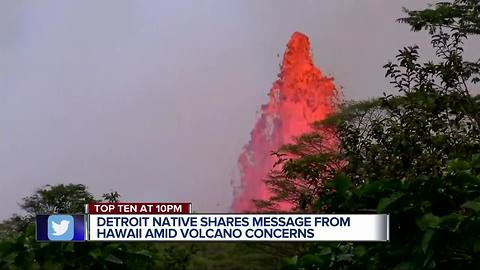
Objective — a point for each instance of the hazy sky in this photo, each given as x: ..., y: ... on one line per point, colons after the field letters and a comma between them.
x: 155, y: 99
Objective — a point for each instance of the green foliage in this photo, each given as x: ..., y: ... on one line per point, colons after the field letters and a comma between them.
x: 458, y: 15
x: 19, y: 250
x: 112, y: 197
x: 23, y: 252
x: 412, y: 155
x: 434, y: 222
x: 242, y: 256
x: 61, y: 198
x: 70, y: 198
x: 13, y: 226
x: 434, y: 119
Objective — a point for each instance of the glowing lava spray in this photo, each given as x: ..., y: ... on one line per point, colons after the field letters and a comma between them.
x: 300, y: 96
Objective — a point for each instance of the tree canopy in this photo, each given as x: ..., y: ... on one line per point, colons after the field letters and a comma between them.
x: 412, y: 155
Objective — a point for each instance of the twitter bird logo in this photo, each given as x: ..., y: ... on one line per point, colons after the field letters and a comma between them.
x: 60, y: 227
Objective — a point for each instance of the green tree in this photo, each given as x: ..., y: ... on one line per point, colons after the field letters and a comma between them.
x: 434, y: 119
x: 458, y: 15
x: 434, y: 220
x: 70, y: 198
x: 412, y: 155
x: 20, y: 250
x: 23, y: 252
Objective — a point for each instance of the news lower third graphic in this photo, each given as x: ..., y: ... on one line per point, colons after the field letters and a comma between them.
x: 175, y: 222
x: 60, y: 228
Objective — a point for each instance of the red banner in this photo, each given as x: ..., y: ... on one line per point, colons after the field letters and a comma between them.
x: 139, y: 208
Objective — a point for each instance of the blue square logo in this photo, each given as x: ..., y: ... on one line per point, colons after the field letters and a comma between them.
x: 60, y: 227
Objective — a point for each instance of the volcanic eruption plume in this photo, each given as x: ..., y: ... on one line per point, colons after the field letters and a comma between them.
x: 300, y: 96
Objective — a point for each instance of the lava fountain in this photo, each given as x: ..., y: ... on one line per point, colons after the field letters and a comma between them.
x: 300, y: 96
